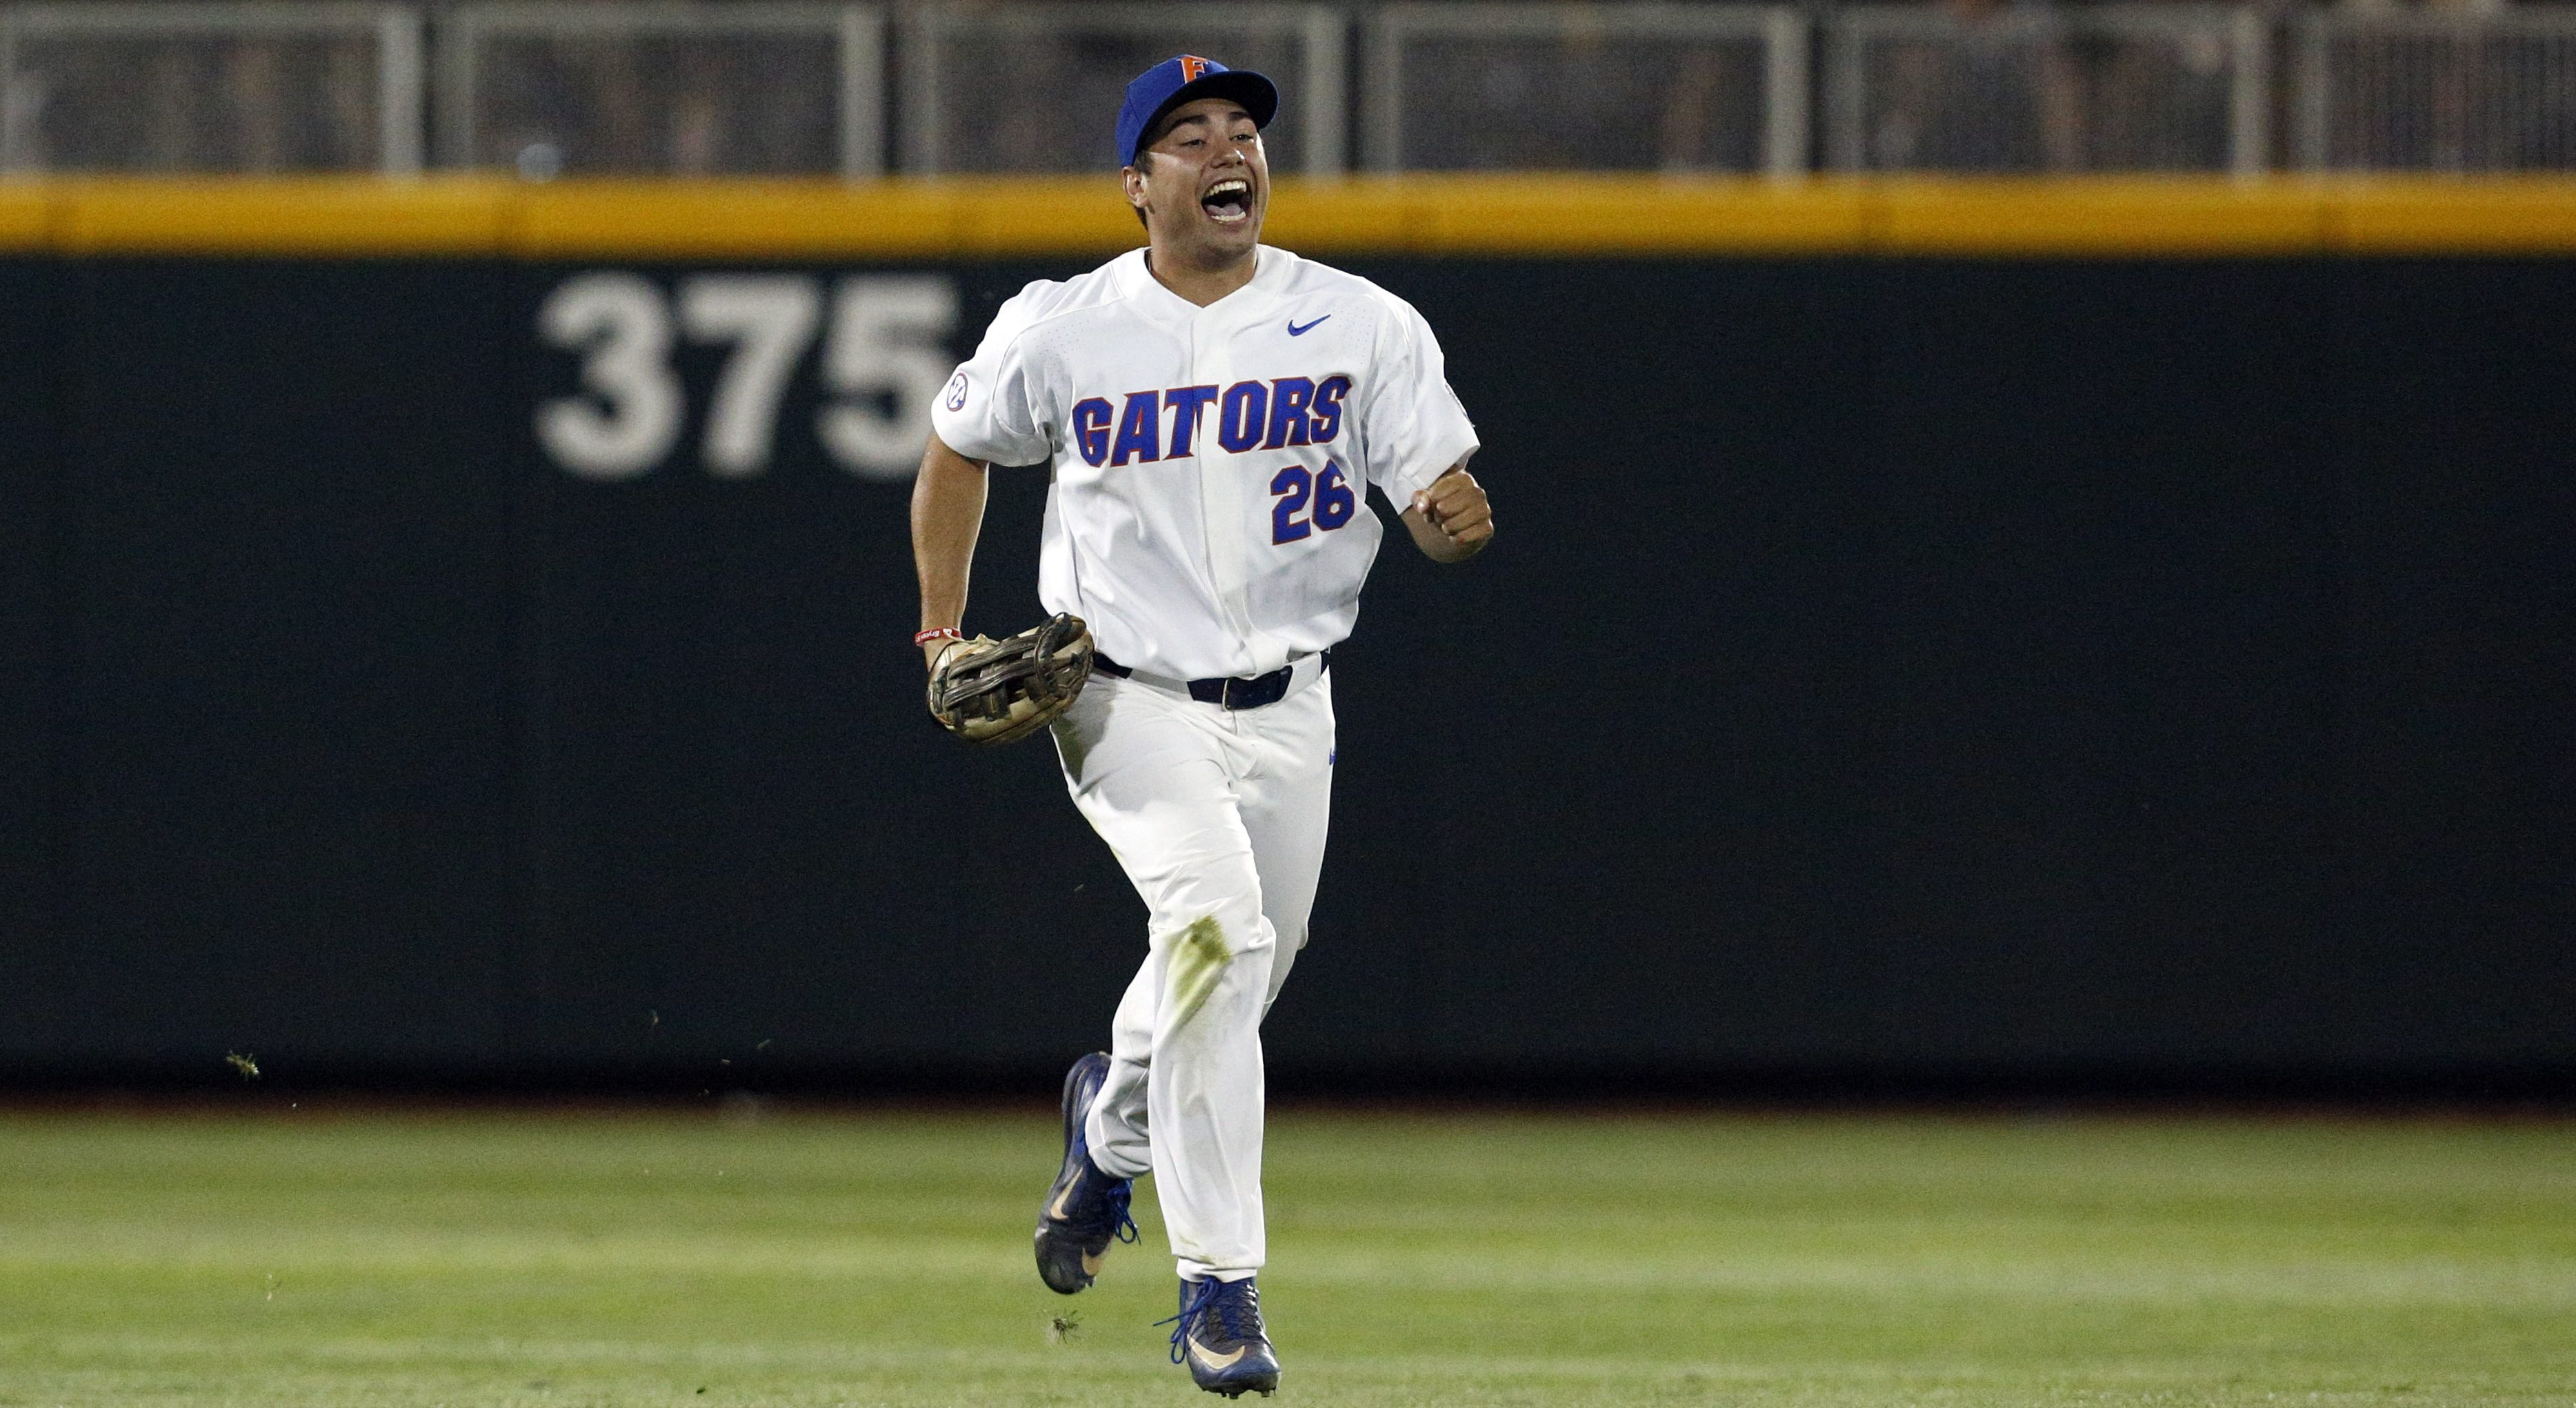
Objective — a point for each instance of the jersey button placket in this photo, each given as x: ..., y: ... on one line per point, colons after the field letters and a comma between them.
x: 1222, y: 505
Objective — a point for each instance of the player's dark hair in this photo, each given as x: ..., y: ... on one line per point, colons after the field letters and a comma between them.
x: 1139, y: 162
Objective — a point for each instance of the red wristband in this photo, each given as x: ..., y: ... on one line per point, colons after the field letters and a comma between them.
x: 937, y: 633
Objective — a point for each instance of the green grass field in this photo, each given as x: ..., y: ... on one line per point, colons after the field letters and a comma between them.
x: 352, y: 1257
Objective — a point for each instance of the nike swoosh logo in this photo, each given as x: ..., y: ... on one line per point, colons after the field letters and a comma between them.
x: 1296, y: 331
x: 1056, y: 1209
x: 1202, y: 1350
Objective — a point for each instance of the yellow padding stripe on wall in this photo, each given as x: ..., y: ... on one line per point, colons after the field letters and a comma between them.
x: 1495, y: 216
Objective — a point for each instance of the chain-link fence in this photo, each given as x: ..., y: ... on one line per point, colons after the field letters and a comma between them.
x: 1037, y: 87
x: 690, y: 90
x: 1973, y: 87
x: 798, y: 87
x: 2434, y: 90
x: 1630, y: 87
x: 210, y: 88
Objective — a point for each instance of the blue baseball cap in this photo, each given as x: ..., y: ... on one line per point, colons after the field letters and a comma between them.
x: 1186, y: 78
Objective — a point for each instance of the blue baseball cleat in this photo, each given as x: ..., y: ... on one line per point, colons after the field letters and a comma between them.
x: 1086, y: 1208
x: 1218, y: 1334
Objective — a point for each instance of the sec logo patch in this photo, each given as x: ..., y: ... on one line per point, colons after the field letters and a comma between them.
x: 957, y: 392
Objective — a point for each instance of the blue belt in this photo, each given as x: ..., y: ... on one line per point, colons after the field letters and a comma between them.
x: 1231, y: 693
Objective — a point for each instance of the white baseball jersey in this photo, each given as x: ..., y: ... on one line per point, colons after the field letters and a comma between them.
x: 1208, y: 510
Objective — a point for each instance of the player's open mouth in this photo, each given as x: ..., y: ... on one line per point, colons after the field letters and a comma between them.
x: 1228, y: 202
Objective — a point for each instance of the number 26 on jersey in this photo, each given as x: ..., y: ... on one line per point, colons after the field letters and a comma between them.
x: 1326, y: 492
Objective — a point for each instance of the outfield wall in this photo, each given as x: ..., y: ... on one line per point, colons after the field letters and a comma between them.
x: 1938, y: 627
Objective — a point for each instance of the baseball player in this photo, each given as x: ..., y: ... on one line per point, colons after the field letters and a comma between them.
x: 1214, y: 412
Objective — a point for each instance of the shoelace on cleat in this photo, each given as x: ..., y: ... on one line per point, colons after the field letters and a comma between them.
x: 1114, y: 1219
x: 1234, y: 1305
x: 1121, y: 1225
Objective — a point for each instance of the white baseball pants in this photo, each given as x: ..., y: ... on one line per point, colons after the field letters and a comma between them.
x: 1218, y: 818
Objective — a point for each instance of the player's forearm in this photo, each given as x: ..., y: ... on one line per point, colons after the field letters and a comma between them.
x: 947, y: 516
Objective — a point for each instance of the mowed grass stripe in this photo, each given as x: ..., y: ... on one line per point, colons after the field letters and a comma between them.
x: 2005, y: 1262
x: 812, y: 1257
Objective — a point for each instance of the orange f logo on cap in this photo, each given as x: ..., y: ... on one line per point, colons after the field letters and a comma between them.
x: 1191, y: 67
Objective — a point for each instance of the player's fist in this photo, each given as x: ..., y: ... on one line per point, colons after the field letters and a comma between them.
x: 1457, y: 513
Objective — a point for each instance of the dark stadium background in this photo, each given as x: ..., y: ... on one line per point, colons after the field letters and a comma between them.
x: 2100, y: 675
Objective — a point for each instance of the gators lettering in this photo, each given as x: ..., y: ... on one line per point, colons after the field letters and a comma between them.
x: 1160, y: 425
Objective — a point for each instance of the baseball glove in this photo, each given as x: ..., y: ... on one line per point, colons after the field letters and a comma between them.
x: 1001, y: 691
